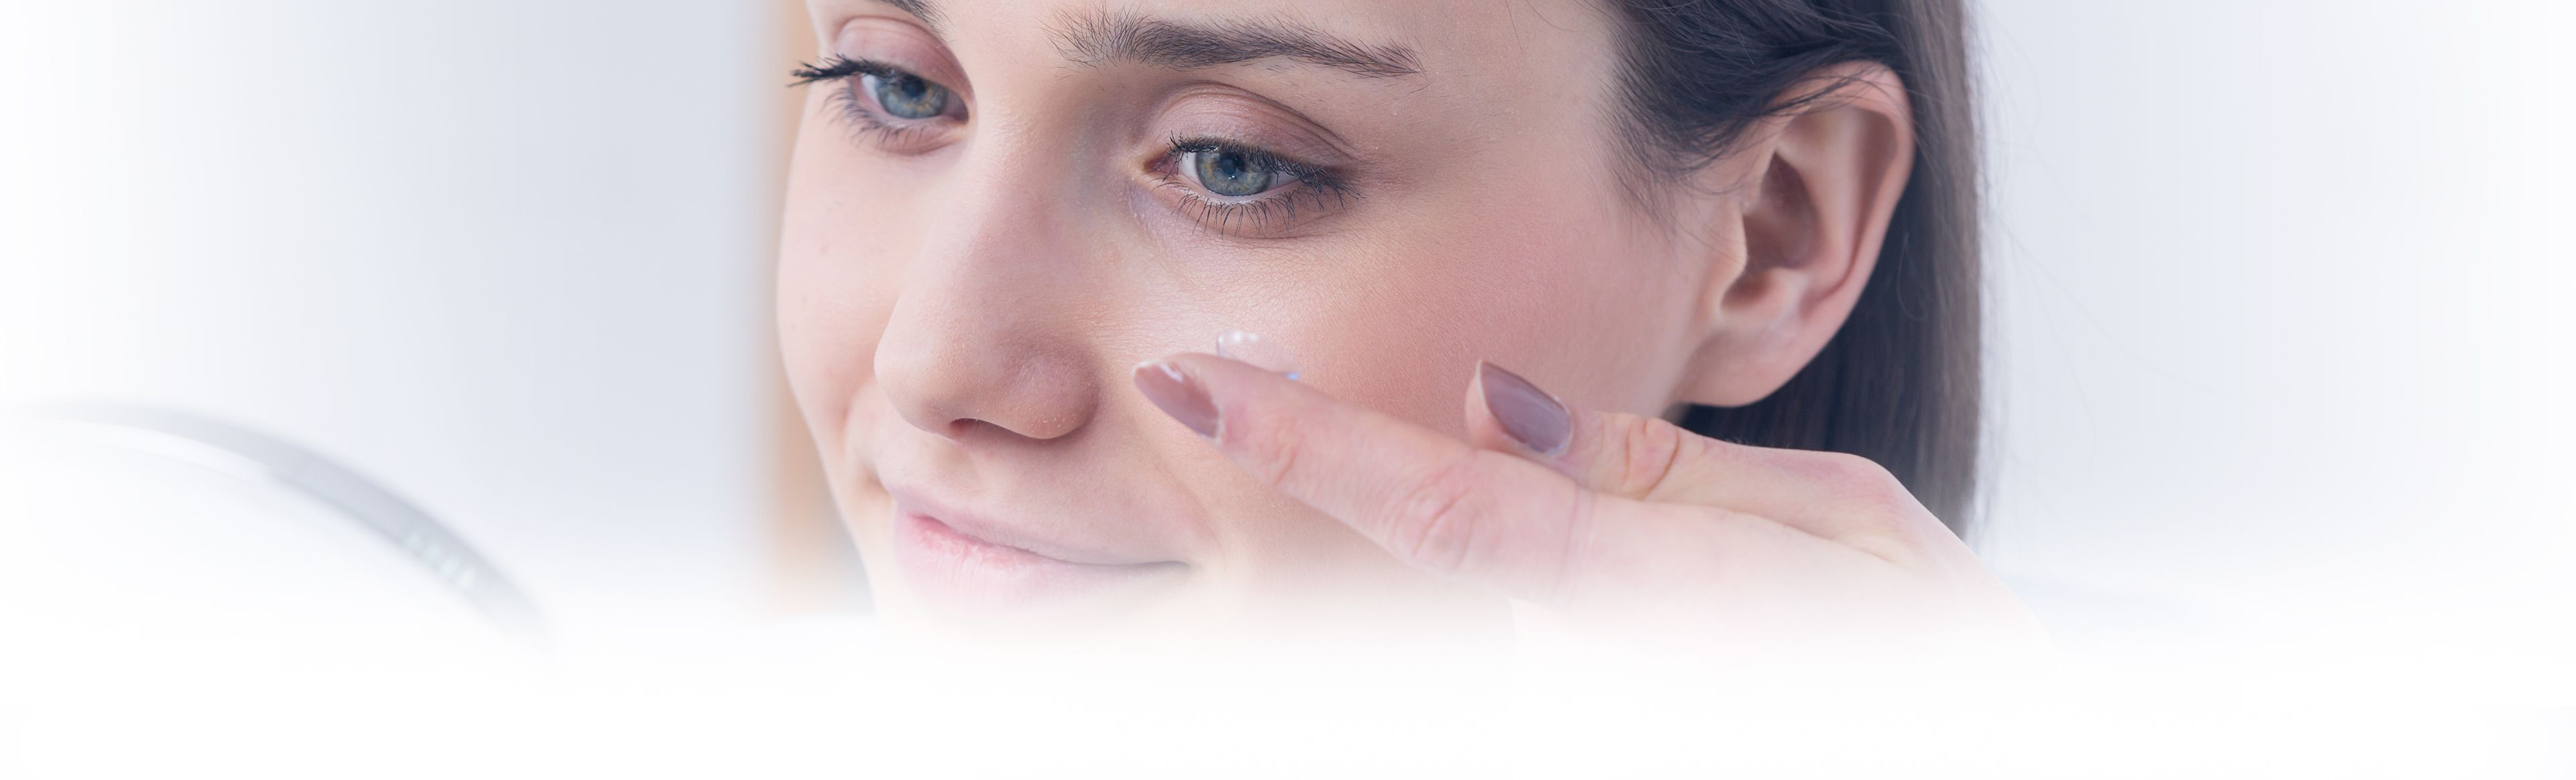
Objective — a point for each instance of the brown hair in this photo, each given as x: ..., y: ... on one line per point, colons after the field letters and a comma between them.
x: 1900, y: 383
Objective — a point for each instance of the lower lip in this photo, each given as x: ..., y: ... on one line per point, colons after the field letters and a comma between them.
x: 952, y: 569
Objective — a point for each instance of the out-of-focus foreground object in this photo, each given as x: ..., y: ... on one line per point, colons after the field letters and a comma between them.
x: 507, y: 256
x: 52, y: 498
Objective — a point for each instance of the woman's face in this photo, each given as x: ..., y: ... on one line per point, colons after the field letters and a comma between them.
x: 1014, y: 203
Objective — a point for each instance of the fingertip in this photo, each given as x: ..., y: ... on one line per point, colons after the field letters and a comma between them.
x: 1206, y: 392
x: 1179, y: 393
x: 1531, y: 419
x: 1483, y: 431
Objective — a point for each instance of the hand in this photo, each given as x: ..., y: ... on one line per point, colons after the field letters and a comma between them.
x: 1607, y: 519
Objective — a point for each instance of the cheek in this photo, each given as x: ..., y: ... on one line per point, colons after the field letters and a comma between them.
x: 838, y: 275
x: 1564, y: 293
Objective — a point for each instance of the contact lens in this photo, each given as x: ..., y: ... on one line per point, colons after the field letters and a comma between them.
x: 1251, y: 348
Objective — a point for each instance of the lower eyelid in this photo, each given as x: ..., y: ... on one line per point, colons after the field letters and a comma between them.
x: 853, y: 108
x: 1275, y: 210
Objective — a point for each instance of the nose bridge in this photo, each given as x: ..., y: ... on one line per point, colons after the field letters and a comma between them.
x: 985, y: 329
x: 1007, y: 215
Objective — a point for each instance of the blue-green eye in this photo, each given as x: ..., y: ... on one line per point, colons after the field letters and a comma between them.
x: 906, y: 96
x: 1228, y: 172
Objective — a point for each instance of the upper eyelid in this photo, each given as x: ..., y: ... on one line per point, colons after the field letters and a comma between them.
x: 901, y: 43
x: 1224, y: 111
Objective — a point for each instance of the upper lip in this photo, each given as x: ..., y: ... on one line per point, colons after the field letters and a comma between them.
x: 981, y: 529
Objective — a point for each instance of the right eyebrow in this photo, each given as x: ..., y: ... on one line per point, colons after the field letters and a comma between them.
x: 1098, y: 37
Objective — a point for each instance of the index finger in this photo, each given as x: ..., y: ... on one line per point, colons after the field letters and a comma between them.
x: 1433, y: 501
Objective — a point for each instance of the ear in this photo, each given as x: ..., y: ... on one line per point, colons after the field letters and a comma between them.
x: 1812, y: 196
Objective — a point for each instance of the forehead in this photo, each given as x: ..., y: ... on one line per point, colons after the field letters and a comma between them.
x: 1454, y: 38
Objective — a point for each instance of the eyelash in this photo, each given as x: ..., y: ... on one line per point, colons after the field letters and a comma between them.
x: 856, y: 108
x: 1315, y: 187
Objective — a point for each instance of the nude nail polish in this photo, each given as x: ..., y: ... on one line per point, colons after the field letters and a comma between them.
x: 1179, y: 395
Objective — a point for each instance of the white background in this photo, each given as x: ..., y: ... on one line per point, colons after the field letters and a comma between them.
x: 2284, y: 333
x: 504, y: 256
x: 2282, y: 349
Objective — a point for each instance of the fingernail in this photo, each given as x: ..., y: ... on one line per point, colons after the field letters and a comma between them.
x: 1527, y: 414
x: 1179, y: 395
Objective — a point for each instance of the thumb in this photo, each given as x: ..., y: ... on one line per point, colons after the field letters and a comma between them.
x: 1650, y: 459
x: 1625, y: 455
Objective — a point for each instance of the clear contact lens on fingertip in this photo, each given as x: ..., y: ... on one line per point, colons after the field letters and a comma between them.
x: 1250, y: 347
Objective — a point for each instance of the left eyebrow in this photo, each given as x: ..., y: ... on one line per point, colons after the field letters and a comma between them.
x: 1099, y: 37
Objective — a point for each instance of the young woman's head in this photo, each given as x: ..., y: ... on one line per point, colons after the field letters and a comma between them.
x: 1760, y: 211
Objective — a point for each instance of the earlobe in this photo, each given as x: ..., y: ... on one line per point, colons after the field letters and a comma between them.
x: 1815, y: 195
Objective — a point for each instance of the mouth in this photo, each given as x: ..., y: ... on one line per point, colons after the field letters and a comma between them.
x: 957, y: 560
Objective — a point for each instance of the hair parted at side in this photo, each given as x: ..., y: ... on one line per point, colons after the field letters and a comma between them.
x: 1900, y: 383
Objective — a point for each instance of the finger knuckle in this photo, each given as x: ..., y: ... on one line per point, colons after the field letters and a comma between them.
x: 1436, y: 519
x: 1850, y: 478
x: 1649, y: 451
x: 1891, y: 521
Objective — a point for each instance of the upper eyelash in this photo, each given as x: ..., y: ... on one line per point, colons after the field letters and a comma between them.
x: 840, y: 67
x: 1315, y: 175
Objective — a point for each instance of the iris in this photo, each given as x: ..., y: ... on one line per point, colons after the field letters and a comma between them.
x: 906, y: 96
x: 1229, y: 173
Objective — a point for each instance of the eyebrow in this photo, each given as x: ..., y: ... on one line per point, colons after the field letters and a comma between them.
x: 920, y: 9
x: 1100, y: 37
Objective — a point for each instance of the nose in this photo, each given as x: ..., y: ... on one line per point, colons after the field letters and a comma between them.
x: 985, y: 335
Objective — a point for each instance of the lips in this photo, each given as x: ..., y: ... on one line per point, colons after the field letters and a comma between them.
x: 960, y: 560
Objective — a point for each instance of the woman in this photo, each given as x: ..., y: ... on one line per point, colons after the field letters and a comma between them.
x: 1625, y: 234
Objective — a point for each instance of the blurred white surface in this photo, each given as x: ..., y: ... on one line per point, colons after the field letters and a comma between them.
x: 2284, y: 327
x: 504, y: 256
x: 113, y: 548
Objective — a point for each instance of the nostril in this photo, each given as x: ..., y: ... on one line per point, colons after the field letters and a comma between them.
x: 969, y: 426
x: 1040, y: 428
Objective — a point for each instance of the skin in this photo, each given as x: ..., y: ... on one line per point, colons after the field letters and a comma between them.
x: 964, y: 309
